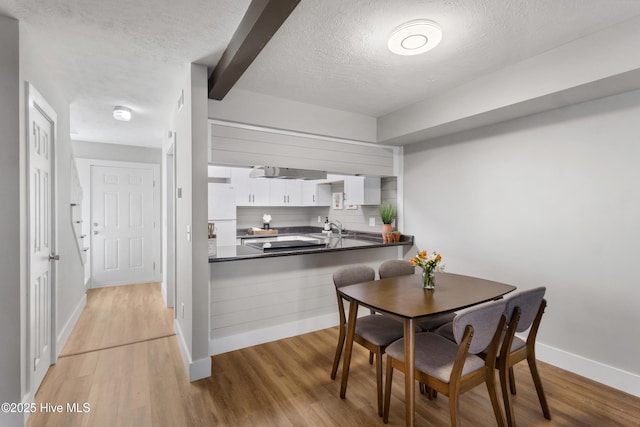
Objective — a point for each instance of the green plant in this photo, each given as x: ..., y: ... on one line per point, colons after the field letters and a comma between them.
x: 387, y: 213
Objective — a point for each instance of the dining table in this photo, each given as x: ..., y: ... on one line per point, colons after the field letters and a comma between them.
x: 405, y: 299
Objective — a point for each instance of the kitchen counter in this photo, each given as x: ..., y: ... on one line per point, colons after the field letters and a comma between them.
x: 332, y: 243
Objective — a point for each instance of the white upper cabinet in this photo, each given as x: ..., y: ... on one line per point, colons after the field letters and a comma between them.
x: 361, y: 190
x: 316, y: 194
x: 250, y: 191
x: 285, y: 192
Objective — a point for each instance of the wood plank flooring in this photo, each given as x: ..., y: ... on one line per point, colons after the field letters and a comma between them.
x: 120, y: 315
x: 283, y: 383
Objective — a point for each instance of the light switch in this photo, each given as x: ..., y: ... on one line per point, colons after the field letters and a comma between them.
x: 372, y: 221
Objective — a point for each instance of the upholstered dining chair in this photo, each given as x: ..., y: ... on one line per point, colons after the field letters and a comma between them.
x: 374, y: 332
x: 524, y: 312
x: 400, y: 267
x: 395, y: 267
x: 453, y: 368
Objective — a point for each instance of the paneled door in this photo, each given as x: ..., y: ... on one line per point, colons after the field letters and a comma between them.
x: 122, y: 225
x: 42, y: 122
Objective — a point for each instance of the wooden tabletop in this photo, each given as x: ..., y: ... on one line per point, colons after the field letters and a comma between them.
x: 404, y: 296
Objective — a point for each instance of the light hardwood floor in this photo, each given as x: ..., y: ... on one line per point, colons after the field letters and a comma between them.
x: 282, y: 383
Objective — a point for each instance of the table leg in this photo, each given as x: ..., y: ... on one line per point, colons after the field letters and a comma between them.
x: 346, y: 361
x: 409, y: 370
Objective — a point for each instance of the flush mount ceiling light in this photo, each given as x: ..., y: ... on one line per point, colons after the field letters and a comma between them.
x: 415, y: 37
x: 122, y: 113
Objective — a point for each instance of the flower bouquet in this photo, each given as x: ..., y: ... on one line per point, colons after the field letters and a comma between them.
x: 430, y: 263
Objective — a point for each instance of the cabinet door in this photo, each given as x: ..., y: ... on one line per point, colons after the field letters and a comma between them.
x: 260, y: 191
x: 294, y: 192
x: 278, y: 192
x: 249, y: 191
x: 354, y: 190
x: 285, y: 192
x: 316, y: 194
x: 361, y: 190
x: 242, y: 184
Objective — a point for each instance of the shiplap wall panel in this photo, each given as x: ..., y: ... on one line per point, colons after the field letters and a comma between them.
x: 239, y: 146
x: 252, y: 294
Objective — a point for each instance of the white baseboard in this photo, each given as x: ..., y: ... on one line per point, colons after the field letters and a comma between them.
x: 596, y: 371
x: 64, y: 334
x: 196, y: 370
x: 273, y: 333
x: 163, y: 290
x: 200, y: 369
x: 27, y: 399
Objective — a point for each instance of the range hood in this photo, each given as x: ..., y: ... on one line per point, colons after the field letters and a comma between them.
x: 286, y: 173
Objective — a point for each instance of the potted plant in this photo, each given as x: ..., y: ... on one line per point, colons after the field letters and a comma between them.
x: 387, y: 215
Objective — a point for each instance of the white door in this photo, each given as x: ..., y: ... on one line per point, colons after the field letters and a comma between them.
x: 122, y: 225
x: 42, y: 122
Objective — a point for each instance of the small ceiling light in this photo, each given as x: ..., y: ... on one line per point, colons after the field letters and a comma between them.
x: 415, y: 37
x: 122, y: 113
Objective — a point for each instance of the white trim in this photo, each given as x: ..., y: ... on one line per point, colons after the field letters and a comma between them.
x: 182, y: 344
x: 27, y: 399
x: 277, y: 332
x: 64, y: 334
x: 85, y: 164
x: 596, y: 371
x: 196, y: 370
x: 200, y: 369
x: 37, y: 101
x: 163, y: 290
x: 293, y: 133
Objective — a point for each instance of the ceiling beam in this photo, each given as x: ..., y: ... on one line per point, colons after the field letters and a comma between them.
x: 259, y: 24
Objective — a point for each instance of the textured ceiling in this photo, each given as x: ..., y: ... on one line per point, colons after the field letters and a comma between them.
x: 330, y: 52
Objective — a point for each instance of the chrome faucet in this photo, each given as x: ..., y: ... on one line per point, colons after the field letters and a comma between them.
x: 338, y: 226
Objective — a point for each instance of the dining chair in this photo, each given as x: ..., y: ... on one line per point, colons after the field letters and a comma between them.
x: 374, y: 332
x: 453, y: 368
x: 394, y: 268
x: 524, y: 312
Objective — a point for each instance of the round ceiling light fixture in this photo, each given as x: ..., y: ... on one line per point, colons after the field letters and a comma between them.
x: 415, y: 37
x: 122, y: 113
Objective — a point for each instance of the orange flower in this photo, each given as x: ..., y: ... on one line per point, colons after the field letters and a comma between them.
x: 412, y: 261
x: 438, y: 258
x: 422, y: 254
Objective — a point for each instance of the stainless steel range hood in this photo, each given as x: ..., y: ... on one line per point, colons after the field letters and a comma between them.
x: 286, y: 173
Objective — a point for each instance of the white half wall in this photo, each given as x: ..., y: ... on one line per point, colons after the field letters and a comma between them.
x: 550, y: 199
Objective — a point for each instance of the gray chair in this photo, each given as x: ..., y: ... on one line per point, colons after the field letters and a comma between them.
x: 374, y: 332
x: 524, y: 311
x: 453, y: 368
x: 394, y: 268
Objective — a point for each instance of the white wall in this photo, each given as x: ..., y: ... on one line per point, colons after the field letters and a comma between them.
x: 550, y: 199
x: 122, y: 153
x: 192, y: 268
x: 10, y: 259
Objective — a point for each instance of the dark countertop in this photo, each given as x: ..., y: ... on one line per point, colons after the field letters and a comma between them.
x: 353, y: 240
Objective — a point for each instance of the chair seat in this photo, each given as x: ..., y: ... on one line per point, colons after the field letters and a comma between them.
x: 379, y: 330
x: 433, y: 322
x: 435, y: 356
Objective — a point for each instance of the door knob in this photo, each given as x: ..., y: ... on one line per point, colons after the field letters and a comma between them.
x: 54, y: 257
